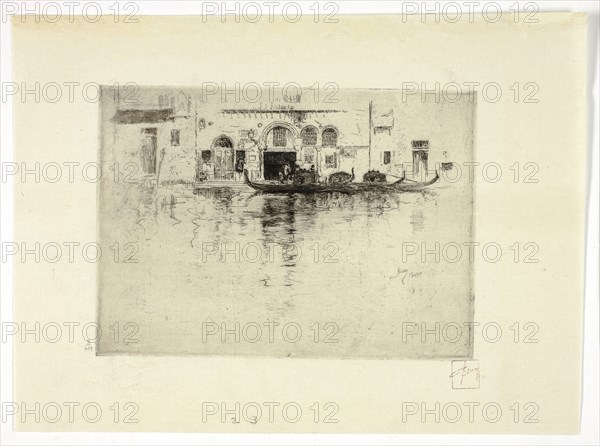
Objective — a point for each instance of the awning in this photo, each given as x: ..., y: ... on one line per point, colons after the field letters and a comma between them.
x: 153, y: 116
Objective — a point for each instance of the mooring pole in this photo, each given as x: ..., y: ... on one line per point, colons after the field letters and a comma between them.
x: 370, y: 127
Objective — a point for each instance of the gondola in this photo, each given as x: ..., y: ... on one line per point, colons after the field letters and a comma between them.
x: 345, y: 188
x: 417, y: 185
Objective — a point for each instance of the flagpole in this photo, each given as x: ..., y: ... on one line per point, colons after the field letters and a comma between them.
x: 370, y: 127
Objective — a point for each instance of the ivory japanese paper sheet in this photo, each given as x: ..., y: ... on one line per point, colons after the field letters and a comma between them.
x: 452, y: 305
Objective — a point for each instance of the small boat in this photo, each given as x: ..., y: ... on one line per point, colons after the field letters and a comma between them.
x: 345, y: 188
x: 374, y: 176
x: 290, y: 188
x: 417, y: 185
x: 341, y: 177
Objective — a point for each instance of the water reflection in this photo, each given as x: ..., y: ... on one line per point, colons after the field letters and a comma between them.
x: 284, y: 219
x: 230, y: 254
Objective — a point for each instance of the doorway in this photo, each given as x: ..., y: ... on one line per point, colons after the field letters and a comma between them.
x: 420, y: 158
x: 240, y: 160
x: 223, y: 149
x: 148, y: 152
x: 275, y: 161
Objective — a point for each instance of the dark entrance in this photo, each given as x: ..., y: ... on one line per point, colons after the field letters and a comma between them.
x: 240, y: 160
x: 275, y: 161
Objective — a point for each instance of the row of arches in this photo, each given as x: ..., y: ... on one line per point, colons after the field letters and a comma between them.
x: 283, y: 136
x: 223, y: 158
x: 309, y: 135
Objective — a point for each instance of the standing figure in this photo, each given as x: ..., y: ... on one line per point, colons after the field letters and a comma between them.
x: 314, y: 172
x: 239, y: 169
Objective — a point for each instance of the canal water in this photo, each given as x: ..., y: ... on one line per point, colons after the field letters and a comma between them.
x: 227, y: 271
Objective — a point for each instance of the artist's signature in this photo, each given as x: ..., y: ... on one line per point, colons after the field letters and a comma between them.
x: 464, y: 372
x: 405, y: 273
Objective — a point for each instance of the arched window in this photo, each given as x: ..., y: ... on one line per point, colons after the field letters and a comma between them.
x: 330, y: 137
x: 224, y: 142
x: 309, y: 136
x: 280, y: 136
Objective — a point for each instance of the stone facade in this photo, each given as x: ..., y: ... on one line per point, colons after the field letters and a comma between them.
x: 181, y: 135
